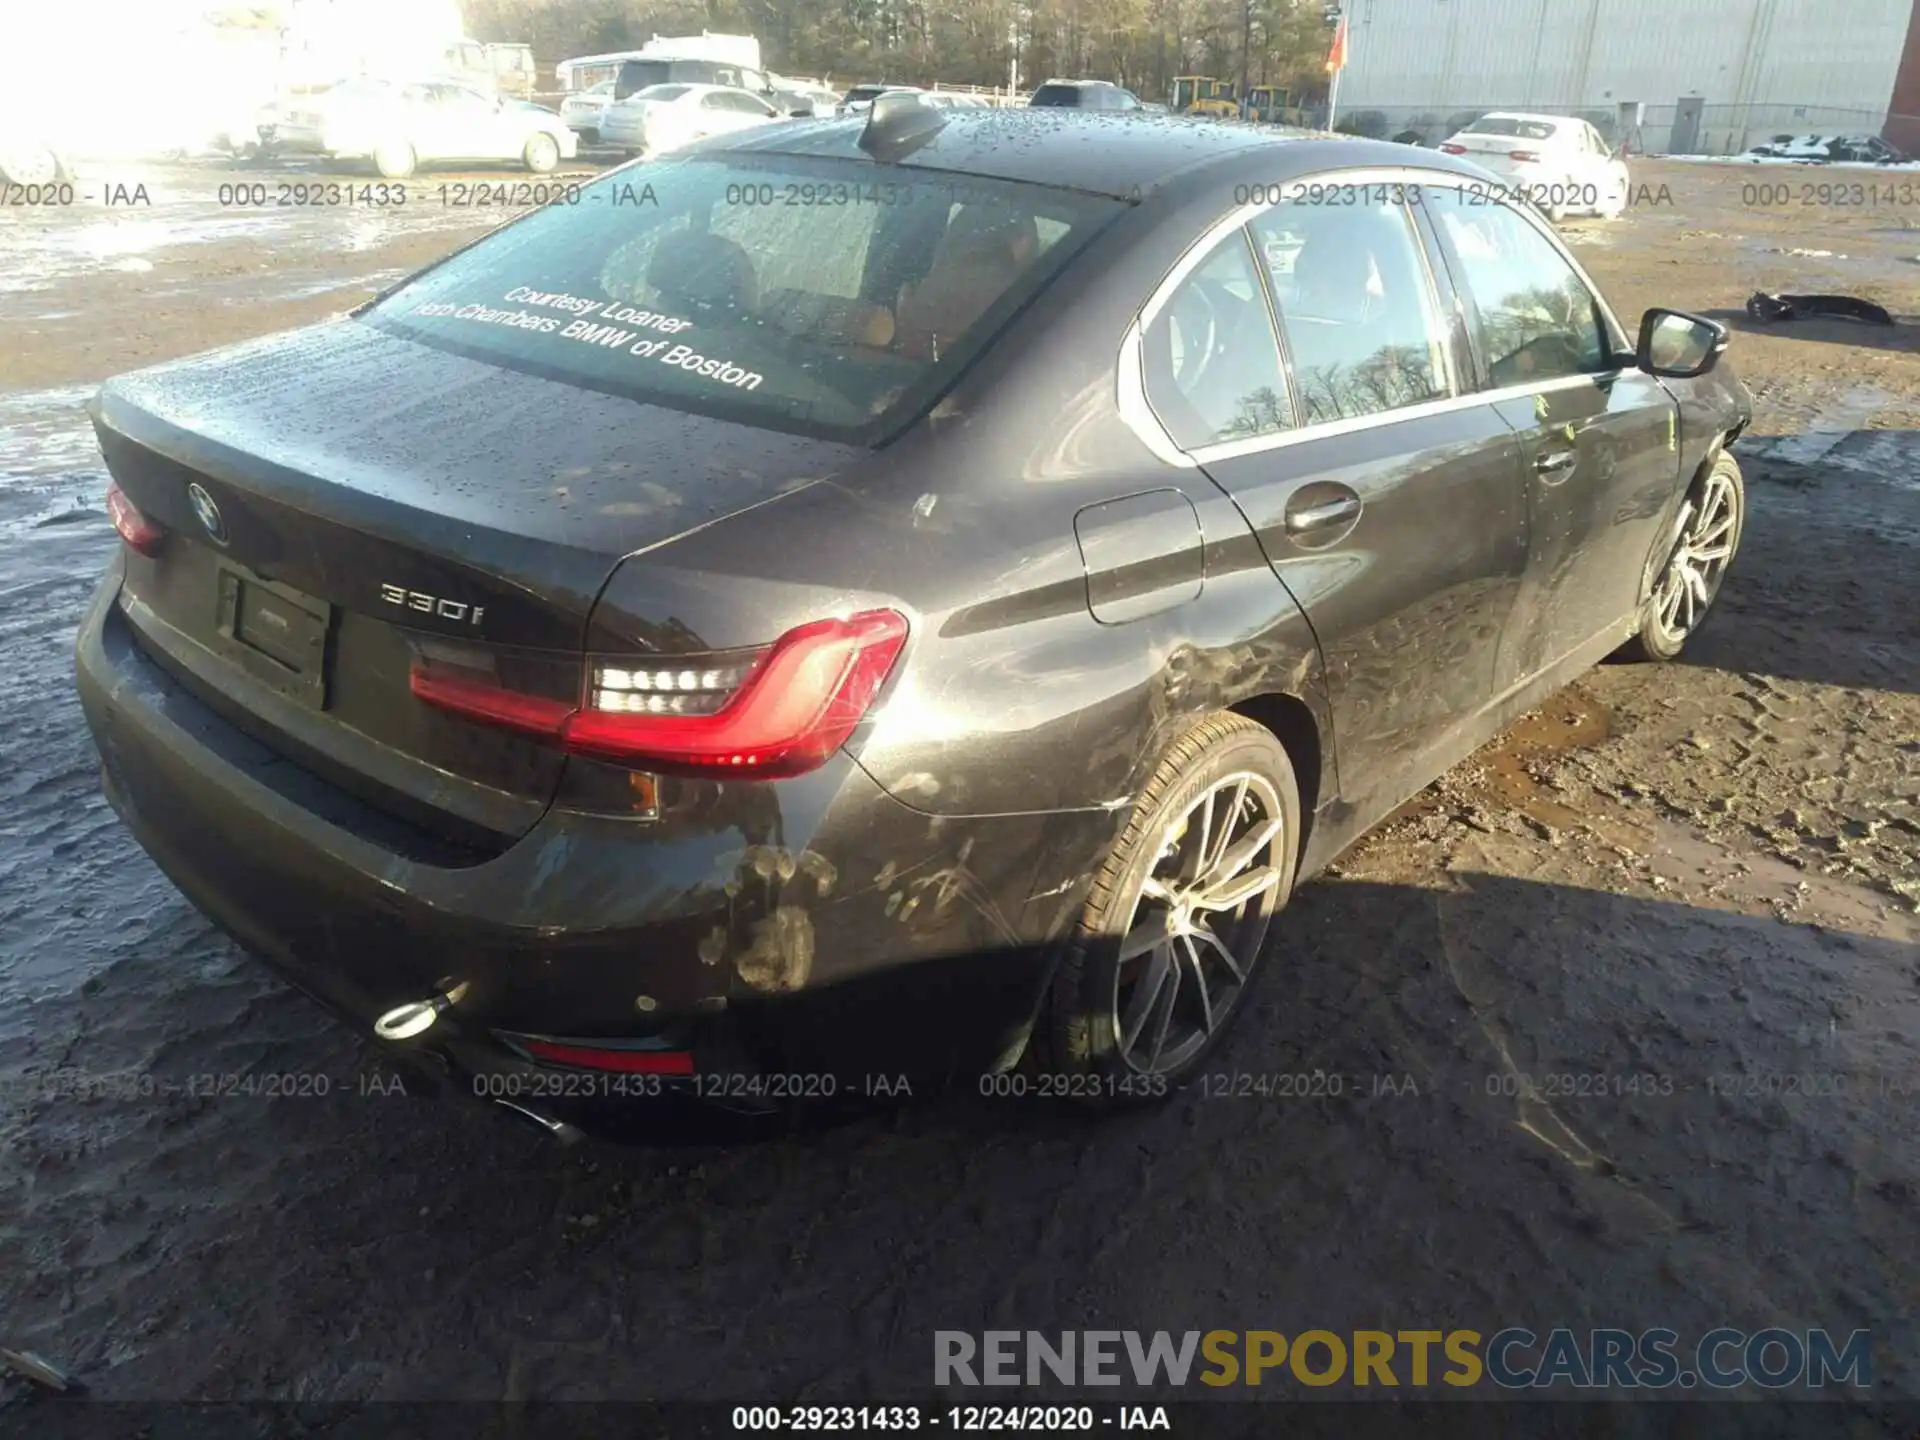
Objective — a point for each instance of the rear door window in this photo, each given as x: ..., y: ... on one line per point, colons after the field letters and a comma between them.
x: 1357, y: 305
x: 1212, y: 360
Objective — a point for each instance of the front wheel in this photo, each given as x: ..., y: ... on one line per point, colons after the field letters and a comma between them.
x: 394, y: 159
x: 1705, y: 541
x: 31, y: 164
x: 1178, y: 914
x: 1613, y: 203
x: 542, y: 154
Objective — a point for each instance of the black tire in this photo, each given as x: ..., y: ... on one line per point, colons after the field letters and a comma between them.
x: 33, y: 165
x: 542, y: 155
x: 1079, y: 1036
x: 1657, y: 641
x: 395, y: 159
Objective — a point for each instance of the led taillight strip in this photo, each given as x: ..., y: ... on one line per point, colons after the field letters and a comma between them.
x: 796, y: 706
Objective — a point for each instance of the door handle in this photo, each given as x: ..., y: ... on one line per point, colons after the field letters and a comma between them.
x: 1326, y: 516
x: 1557, y: 463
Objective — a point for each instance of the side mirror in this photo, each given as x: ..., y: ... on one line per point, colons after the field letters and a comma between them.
x: 1679, y: 346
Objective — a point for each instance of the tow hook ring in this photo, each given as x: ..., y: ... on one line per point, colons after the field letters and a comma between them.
x: 404, y: 1022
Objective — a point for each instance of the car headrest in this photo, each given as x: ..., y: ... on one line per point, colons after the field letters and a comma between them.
x: 705, y: 274
x: 979, y: 233
x: 1337, y: 277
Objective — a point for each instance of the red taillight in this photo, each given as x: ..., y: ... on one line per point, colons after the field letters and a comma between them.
x: 1529, y: 156
x: 771, y: 714
x: 494, y: 704
x: 137, y: 530
x: 625, y: 1062
x: 1452, y: 149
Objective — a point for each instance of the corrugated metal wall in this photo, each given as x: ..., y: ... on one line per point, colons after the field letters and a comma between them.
x: 1593, y: 54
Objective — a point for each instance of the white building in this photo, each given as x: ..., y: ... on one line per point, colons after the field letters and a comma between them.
x: 1712, y: 74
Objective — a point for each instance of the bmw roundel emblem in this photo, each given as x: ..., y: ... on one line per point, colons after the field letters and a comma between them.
x: 207, y: 512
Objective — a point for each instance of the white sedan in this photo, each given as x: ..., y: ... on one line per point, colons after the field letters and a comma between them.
x: 1560, y: 164
x: 400, y: 126
x: 583, y: 111
x: 665, y: 117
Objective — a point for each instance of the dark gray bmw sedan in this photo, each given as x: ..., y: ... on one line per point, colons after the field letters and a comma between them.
x: 911, y: 594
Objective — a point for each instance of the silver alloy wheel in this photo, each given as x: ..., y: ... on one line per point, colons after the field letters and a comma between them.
x: 1197, y: 924
x: 542, y: 154
x: 1708, y: 530
x: 30, y: 165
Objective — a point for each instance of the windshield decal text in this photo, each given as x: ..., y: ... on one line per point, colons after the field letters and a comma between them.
x: 589, y: 329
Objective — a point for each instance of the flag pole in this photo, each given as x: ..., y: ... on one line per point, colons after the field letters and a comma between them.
x: 1336, y: 63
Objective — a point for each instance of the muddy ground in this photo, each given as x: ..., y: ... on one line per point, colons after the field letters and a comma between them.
x: 1706, y: 874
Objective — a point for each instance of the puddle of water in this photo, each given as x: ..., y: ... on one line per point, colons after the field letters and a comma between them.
x: 46, y: 432
x: 1571, y: 720
x: 1891, y: 456
x: 1832, y: 424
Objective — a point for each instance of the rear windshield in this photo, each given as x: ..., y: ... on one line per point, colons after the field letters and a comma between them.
x: 660, y: 92
x: 1506, y: 125
x: 1068, y: 95
x: 824, y: 297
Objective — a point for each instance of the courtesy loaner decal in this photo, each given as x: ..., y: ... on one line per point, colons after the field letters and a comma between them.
x: 605, y: 324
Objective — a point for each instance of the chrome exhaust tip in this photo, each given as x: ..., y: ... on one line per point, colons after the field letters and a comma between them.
x: 557, y: 1130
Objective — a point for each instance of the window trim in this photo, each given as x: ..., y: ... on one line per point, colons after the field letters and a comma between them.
x: 1130, y: 397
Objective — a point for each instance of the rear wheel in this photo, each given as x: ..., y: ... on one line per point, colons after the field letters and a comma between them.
x: 1613, y: 200
x: 542, y: 154
x: 1707, y: 538
x: 394, y: 159
x: 1173, y: 929
x: 30, y: 164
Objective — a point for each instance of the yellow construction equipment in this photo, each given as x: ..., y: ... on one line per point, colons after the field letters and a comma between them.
x: 1266, y: 104
x: 1202, y: 95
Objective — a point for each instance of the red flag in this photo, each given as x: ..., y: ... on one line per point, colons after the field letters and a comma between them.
x: 1337, y: 57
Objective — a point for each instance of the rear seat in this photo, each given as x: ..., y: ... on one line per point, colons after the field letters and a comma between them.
x: 836, y: 319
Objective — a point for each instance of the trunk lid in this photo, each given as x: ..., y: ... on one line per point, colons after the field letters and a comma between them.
x: 339, y: 499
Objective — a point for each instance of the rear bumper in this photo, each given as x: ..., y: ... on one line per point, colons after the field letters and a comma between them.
x: 812, y: 924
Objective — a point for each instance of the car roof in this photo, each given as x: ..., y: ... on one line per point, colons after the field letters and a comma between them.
x: 1124, y: 154
x: 1529, y: 115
